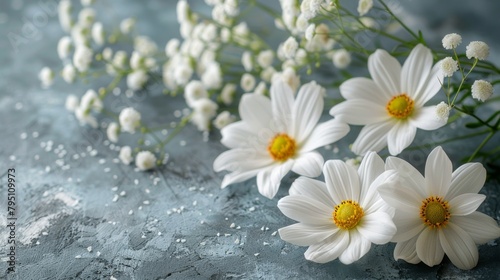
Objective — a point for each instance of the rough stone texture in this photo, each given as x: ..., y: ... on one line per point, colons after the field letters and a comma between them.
x: 69, y: 227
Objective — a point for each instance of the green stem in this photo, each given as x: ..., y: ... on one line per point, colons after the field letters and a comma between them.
x: 399, y: 21
x: 492, y: 132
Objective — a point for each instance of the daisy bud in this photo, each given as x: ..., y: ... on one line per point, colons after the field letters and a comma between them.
x: 451, y: 41
x: 72, y: 103
x: 478, y: 50
x: 341, y: 59
x: 46, y: 76
x: 247, y: 82
x: 68, y: 73
x: 482, y: 90
x: 125, y: 155
x: 449, y: 66
x: 130, y: 119
x: 113, y: 131
x: 364, y: 6
x: 443, y: 111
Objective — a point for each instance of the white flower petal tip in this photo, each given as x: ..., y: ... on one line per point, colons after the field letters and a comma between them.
x: 342, y: 217
x: 276, y: 136
x: 436, y: 215
x: 391, y: 104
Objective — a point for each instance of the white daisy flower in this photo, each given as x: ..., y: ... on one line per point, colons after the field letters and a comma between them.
x: 342, y: 218
x: 437, y: 215
x: 276, y: 136
x: 391, y: 104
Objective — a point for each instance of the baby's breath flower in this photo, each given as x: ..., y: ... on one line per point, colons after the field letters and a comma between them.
x: 290, y: 46
x: 246, y: 61
x: 289, y: 77
x: 451, y: 41
x: 125, y: 155
x: 86, y: 17
x: 68, y: 73
x: 364, y: 6
x: 260, y: 88
x: 449, y: 66
x: 443, y: 111
x: 482, y: 90
x: 223, y: 119
x: 107, y: 54
x: 64, y: 47
x: 265, y: 58
x: 82, y: 58
x: 98, y: 33
x: 227, y: 93
x: 247, y: 82
x: 477, y: 49
x: 341, y: 58
x: 310, y: 32
x: 145, y: 160
x: 130, y: 119
x: 137, y: 79
x: 72, y: 102
x: 113, y: 131
x: 46, y: 76
x: 204, y: 110
x: 194, y: 91
x: 127, y: 25
x: 172, y: 47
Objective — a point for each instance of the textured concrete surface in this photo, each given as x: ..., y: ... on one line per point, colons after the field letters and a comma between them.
x: 82, y: 216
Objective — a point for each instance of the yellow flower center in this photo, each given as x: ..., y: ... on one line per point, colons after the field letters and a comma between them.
x: 435, y: 212
x: 347, y: 214
x: 400, y: 106
x: 282, y: 147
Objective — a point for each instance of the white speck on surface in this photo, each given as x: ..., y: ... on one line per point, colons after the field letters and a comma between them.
x: 115, y: 198
x: 203, y: 243
x: 192, y: 189
x: 12, y: 158
x: 256, y: 254
x: 47, y: 169
x: 36, y: 157
x: 159, y: 233
x: 262, y: 228
x: 23, y: 135
x: 218, y: 234
x: 102, y: 161
x: 136, y: 182
x: 182, y: 143
x: 107, y: 170
x: 78, y: 256
x: 131, y: 212
x: 237, y: 241
x: 238, y: 227
x: 183, y: 240
x: 45, y: 233
x: 195, y: 202
x: 147, y: 190
x: 227, y: 234
x: 251, y: 209
x: 146, y: 202
x: 265, y: 243
x: 98, y: 254
x: 89, y: 249
x: 18, y: 106
x: 178, y: 240
x: 274, y: 233
x: 123, y: 193
x: 35, y: 134
x: 115, y: 188
x: 202, y: 222
x: 232, y: 225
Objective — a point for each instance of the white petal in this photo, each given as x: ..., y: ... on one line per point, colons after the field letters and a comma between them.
x: 312, y: 188
x: 238, y: 176
x: 241, y: 160
x: 357, y: 248
x: 341, y: 180
x: 269, y: 179
x: 307, y: 110
x: 385, y: 71
x: 372, y: 201
x: 372, y: 137
x: 432, y: 86
x: 377, y: 227
x: 255, y: 110
x: 416, y: 70
x: 370, y: 168
x: 459, y: 246
x: 438, y: 171
x: 306, y: 210
x: 329, y: 249
x: 407, y: 251
x: 359, y: 112
x: 429, y: 249
x: 308, y: 164
x: 400, y: 137
x: 325, y: 133
x: 466, y: 203
x: 236, y: 135
x: 365, y: 89
x: 468, y: 178
x: 401, y: 196
x: 410, y: 175
x: 305, y: 235
x: 425, y: 118
x: 481, y: 227
x: 409, y: 225
x: 282, y: 98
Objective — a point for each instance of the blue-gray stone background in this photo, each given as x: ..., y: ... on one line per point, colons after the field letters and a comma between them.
x: 82, y: 215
